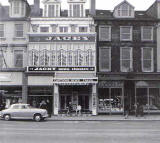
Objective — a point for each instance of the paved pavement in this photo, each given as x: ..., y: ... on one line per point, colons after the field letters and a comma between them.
x: 79, y: 132
x: 104, y: 118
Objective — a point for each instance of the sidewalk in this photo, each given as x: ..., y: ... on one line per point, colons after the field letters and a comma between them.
x: 104, y: 118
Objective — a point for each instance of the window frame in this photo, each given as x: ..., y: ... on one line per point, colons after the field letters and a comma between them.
x: 63, y: 29
x: 100, y: 67
x: 17, y: 30
x: 81, y: 29
x: 131, y: 59
x: 18, y: 60
x: 142, y: 36
x: 100, y: 36
x: 44, y: 31
x: 152, y: 59
x: 131, y: 33
x: 3, y: 31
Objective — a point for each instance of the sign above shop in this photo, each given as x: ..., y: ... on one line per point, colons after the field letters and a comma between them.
x: 80, y: 81
x: 62, y: 38
x: 50, y: 69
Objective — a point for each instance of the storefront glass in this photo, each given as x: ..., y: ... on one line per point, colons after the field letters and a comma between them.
x: 149, y: 98
x: 110, y: 100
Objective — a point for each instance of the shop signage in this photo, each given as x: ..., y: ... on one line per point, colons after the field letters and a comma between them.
x: 76, y: 81
x: 62, y: 38
x: 108, y: 84
x: 50, y: 69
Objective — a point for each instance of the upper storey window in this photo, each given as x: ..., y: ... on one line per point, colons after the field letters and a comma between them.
x: 76, y: 8
x: 17, y: 8
x: 52, y: 8
x: 124, y: 10
x: 147, y: 33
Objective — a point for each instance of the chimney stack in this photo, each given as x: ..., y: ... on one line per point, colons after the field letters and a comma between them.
x: 92, y: 9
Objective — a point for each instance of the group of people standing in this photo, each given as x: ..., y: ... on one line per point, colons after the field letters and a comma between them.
x: 138, y: 110
x: 70, y: 109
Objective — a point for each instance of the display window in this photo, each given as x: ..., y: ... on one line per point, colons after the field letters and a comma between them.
x: 110, y: 100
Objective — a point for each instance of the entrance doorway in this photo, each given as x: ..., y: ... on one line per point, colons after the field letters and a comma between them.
x: 76, y: 95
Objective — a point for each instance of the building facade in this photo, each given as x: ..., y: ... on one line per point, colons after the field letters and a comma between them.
x: 102, y: 60
x: 62, y: 58
x: 127, y: 65
x: 14, y: 25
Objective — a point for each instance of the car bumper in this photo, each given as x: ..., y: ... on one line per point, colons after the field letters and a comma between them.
x: 45, y: 116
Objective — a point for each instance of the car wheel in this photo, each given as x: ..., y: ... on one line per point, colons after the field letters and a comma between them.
x: 37, y: 117
x: 7, y: 117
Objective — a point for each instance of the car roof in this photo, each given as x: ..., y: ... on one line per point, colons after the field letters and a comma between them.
x: 19, y: 104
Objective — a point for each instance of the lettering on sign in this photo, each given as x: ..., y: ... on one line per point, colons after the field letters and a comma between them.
x: 48, y: 69
x: 88, y: 38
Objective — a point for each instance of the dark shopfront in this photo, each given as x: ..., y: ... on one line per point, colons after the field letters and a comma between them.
x: 10, y: 95
x: 115, y: 95
x: 77, y: 95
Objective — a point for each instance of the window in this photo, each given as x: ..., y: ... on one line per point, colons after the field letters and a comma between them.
x: 19, y: 30
x: 23, y: 8
x: 16, y: 7
x: 1, y: 59
x: 126, y: 33
x: 44, y: 58
x: 147, y: 33
x: 62, y: 58
x: 44, y: 29
x: 1, y: 30
x: 76, y: 10
x: 63, y: 29
x: 18, y: 58
x: 53, y: 58
x: 104, y: 33
x: 70, y: 58
x: 34, y: 57
x: 83, y: 29
x: 126, y: 59
x: 125, y: 10
x: 105, y: 59
x: 147, y: 59
x: 51, y: 10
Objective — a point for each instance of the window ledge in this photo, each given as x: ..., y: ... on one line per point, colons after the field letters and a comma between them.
x: 19, y: 38
x: 146, y: 40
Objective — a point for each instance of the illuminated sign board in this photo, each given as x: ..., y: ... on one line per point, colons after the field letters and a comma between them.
x: 50, y: 69
x: 62, y: 38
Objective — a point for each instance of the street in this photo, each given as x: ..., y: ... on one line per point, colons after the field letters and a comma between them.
x: 80, y: 132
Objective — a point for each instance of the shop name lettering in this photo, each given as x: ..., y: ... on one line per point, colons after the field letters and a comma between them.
x: 68, y: 38
x: 60, y: 69
x: 74, y: 80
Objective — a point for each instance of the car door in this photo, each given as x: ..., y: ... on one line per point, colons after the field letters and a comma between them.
x: 24, y: 113
x: 14, y: 111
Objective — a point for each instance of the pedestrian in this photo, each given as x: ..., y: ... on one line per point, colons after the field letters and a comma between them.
x: 126, y: 111
x: 137, y: 109
x: 69, y: 109
x: 43, y: 104
x: 78, y: 110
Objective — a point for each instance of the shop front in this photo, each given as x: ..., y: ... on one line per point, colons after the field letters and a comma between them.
x: 11, y: 88
x: 110, y: 97
x: 75, y: 91
x: 148, y: 95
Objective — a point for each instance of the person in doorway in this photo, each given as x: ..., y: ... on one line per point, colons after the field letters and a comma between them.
x: 48, y: 107
x: 78, y: 110
x: 137, y: 109
x: 69, y: 111
x: 126, y: 111
x: 43, y: 104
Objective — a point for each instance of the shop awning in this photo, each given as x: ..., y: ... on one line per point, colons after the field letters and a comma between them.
x: 75, y: 81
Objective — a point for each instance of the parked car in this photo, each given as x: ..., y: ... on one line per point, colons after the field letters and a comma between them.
x: 23, y: 111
